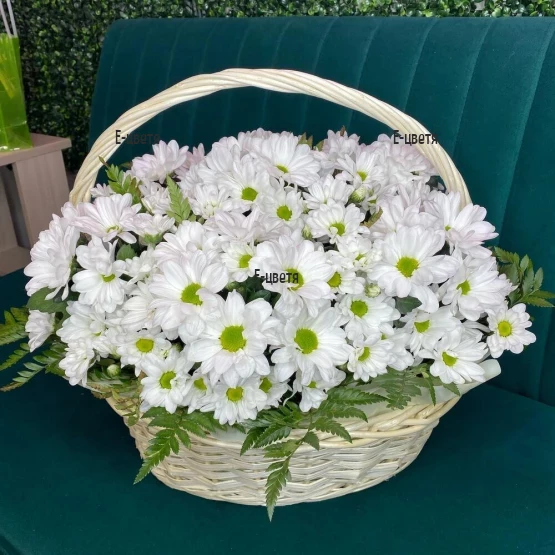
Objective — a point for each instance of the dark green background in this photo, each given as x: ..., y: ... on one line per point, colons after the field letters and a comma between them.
x: 61, y: 42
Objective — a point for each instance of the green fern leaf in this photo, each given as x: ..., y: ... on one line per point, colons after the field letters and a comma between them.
x: 179, y: 205
x: 13, y: 328
x: 276, y: 481
x: 15, y: 357
x: 325, y: 424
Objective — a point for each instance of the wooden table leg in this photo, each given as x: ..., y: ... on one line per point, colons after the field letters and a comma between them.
x: 43, y: 189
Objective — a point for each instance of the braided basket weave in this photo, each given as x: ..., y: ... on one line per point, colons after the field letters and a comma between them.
x: 383, y: 446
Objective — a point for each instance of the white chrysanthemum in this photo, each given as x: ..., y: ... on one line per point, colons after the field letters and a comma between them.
x: 370, y: 357
x: 156, y: 197
x: 134, y: 347
x: 287, y: 158
x: 100, y: 190
x: 198, y: 394
x: 301, y: 273
x: 152, y: 228
x: 237, y: 257
x: 360, y: 251
x: 410, y: 265
x: 206, y: 200
x: 466, y: 228
x: 238, y: 403
x: 427, y: 328
x: 139, y: 268
x: 274, y: 390
x: 336, y: 221
x: 109, y: 217
x: 51, y: 258
x: 311, y: 344
x: 233, y: 342
x: 345, y: 279
x: 327, y: 189
x: 39, y: 327
x: 254, y: 227
x: 364, y: 166
x: 509, y: 330
x: 246, y: 181
x: 99, y: 282
x: 286, y: 204
x: 476, y: 287
x: 165, y: 160
x: 366, y: 315
x: 315, y: 392
x: 167, y: 380
x: 336, y: 145
x: 137, y: 309
x: 401, y: 358
x: 184, y: 293
x: 189, y: 237
x: 456, y: 358
x: 77, y: 361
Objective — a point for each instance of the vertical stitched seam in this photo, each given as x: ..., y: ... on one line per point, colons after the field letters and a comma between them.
x: 225, y: 119
x: 272, y: 65
x: 200, y: 70
x: 415, y: 66
x: 363, y: 68
x: 308, y: 99
x: 170, y: 63
x: 470, y: 81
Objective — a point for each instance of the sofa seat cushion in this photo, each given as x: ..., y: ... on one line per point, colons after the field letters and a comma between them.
x: 484, y: 483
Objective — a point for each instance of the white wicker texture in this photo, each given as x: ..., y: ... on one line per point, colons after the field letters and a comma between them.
x: 213, y: 468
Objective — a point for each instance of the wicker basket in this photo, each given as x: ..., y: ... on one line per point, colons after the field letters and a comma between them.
x: 383, y: 446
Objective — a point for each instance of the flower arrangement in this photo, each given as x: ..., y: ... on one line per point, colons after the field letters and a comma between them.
x: 270, y: 285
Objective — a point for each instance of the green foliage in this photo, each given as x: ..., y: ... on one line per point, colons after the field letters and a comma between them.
x: 528, y: 283
x: 13, y: 328
x: 48, y: 361
x: 406, y: 304
x: 179, y: 205
x: 373, y: 219
x: 399, y: 386
x: 15, y: 357
x: 121, y: 183
x: 173, y: 430
x: 125, y: 251
x: 61, y: 45
x: 38, y: 301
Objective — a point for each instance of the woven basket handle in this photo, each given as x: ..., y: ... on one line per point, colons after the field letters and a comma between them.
x: 280, y: 80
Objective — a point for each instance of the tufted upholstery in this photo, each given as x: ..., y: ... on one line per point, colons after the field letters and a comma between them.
x: 484, y: 87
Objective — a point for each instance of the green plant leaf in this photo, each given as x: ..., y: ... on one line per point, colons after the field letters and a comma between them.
x: 354, y: 396
x: 506, y: 257
x: 250, y: 439
x: 271, y: 434
x: 281, y: 449
x: 15, y: 357
x: 535, y: 300
x: 406, y: 304
x: 159, y: 447
x: 38, y: 301
x: 453, y: 388
x: 179, y: 205
x: 325, y: 424
x: 312, y: 439
x: 276, y: 481
x: 373, y: 219
x: 125, y: 252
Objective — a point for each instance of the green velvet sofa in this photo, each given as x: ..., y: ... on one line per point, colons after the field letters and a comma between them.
x: 485, y: 483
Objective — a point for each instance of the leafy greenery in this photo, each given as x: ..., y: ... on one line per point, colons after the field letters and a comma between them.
x: 174, y: 429
x: 528, y: 283
x: 38, y: 301
x: 13, y: 328
x: 15, y: 357
x: 179, y: 205
x: 122, y: 183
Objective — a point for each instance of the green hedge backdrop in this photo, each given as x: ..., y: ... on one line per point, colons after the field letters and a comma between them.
x: 61, y: 42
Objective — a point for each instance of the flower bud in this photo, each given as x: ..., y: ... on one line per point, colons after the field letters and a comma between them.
x: 113, y: 370
x: 372, y: 290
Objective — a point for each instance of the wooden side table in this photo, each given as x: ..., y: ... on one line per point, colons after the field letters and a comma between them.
x: 42, y: 189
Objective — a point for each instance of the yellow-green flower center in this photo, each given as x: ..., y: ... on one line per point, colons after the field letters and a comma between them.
x: 359, y: 308
x: 282, y: 168
x: 144, y: 345
x: 422, y: 327
x: 407, y: 266
x: 307, y: 340
x: 199, y: 384
x: 464, y: 287
x: 234, y: 394
x: 335, y: 280
x: 365, y: 354
x: 504, y: 328
x: 447, y: 227
x: 448, y: 359
x: 339, y: 227
x: 189, y: 294
x: 244, y: 260
x: 284, y: 212
x: 249, y: 194
x: 109, y: 278
x: 266, y: 385
x: 362, y: 174
x: 312, y: 385
x: 295, y: 277
x: 113, y: 228
x: 166, y: 379
x: 232, y: 338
